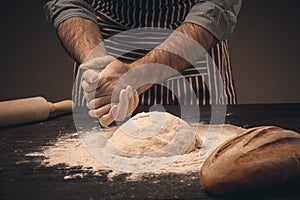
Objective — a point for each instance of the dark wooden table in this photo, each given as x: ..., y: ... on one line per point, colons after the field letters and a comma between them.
x: 23, y: 177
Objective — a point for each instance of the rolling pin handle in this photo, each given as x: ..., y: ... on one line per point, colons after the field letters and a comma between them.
x: 51, y: 107
x: 66, y: 105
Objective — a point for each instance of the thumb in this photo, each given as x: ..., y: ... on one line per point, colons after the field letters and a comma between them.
x: 108, y: 118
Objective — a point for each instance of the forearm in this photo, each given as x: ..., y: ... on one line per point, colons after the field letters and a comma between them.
x: 179, y: 51
x: 80, y: 37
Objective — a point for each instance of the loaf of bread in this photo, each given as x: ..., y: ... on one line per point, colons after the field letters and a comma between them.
x: 259, y: 157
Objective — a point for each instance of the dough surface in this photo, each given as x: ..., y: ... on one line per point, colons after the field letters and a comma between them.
x: 153, y: 134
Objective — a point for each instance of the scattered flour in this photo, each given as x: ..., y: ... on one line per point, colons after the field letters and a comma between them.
x: 70, y: 151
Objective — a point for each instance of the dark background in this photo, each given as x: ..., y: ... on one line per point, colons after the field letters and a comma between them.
x: 264, y: 53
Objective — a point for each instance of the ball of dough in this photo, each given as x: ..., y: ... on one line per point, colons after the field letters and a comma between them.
x: 153, y: 134
x: 259, y: 157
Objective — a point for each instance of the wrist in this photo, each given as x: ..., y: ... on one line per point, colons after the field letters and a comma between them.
x: 97, y: 52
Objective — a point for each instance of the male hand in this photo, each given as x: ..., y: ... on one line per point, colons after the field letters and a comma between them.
x: 99, y: 81
x: 128, y: 101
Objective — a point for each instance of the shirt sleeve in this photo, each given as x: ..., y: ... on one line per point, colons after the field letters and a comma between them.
x: 57, y: 11
x: 217, y: 16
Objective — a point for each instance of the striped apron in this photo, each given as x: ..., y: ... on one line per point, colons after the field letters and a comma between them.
x: 117, y: 16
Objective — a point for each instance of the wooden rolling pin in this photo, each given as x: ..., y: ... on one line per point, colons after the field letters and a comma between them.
x: 28, y: 110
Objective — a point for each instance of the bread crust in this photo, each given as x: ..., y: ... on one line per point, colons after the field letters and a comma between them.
x: 259, y: 157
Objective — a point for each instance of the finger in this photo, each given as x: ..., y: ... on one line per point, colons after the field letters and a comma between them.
x: 89, y: 96
x: 136, y: 99
x: 130, y: 105
x: 107, y: 119
x: 130, y: 100
x: 91, y: 76
x: 98, y: 63
x: 129, y: 90
x: 99, y: 112
x: 122, y: 106
x: 133, y: 103
x: 88, y: 87
x: 99, y: 102
x: 101, y: 91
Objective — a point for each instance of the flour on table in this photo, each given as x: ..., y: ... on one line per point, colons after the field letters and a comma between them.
x: 70, y: 151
